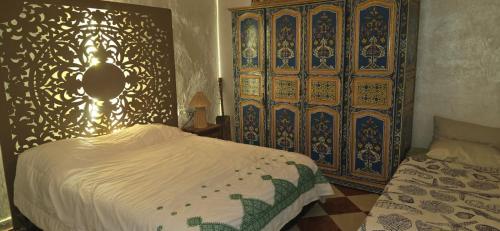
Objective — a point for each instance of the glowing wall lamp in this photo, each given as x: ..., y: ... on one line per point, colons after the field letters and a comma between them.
x: 200, y: 103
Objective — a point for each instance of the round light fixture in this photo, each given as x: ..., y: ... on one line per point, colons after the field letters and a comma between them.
x: 103, y: 81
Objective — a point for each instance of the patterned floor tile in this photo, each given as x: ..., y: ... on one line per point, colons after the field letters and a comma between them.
x: 315, y: 211
x: 349, y: 221
x: 337, y: 192
x: 339, y: 205
x: 364, y: 202
x: 322, y: 223
x: 350, y: 191
x: 345, y: 211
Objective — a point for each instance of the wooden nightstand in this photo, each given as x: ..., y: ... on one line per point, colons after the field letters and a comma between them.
x: 212, y: 130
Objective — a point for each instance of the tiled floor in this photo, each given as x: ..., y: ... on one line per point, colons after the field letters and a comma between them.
x: 345, y: 211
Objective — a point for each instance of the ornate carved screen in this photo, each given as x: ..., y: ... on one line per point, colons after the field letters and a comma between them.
x: 81, y: 68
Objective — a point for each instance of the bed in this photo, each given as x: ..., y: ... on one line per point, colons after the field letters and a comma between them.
x: 89, y: 138
x: 156, y: 177
x: 455, y: 186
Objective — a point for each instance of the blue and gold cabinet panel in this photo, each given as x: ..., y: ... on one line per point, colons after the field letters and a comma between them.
x: 323, y: 136
x: 285, y: 121
x: 369, y: 151
x: 323, y: 90
x: 251, y: 87
x: 250, y: 30
x: 286, y: 89
x: 374, y: 37
x: 252, y: 123
x: 286, y: 41
x: 372, y: 93
x: 324, y: 39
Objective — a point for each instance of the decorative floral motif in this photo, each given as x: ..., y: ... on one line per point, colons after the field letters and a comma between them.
x: 442, y: 196
x: 53, y: 49
x: 436, y: 207
x: 321, y: 137
x: 481, y: 227
x: 482, y: 185
x: 412, y: 190
x: 250, y: 87
x: 286, y: 89
x: 372, y: 93
x: 374, y: 38
x: 464, y: 215
x: 453, y: 172
x: 369, y: 144
x: 324, y: 90
x: 286, y: 42
x: 406, y: 199
x: 323, y: 40
x: 250, y: 46
x: 394, y: 222
x: 449, y: 204
x: 251, y: 124
x: 285, y: 130
x: 451, y: 181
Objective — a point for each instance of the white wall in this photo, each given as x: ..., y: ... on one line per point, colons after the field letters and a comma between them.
x: 458, y: 71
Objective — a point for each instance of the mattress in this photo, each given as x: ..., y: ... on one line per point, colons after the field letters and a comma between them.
x: 429, y: 194
x: 154, y: 177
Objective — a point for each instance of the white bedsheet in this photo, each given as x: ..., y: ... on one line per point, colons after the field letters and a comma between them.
x: 154, y: 177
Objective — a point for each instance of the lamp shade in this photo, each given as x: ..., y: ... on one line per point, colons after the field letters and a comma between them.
x: 199, y: 100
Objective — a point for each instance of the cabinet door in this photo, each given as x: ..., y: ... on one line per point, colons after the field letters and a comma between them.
x: 285, y: 128
x: 286, y: 43
x: 252, y: 123
x: 369, y: 145
x: 250, y: 33
x: 249, y: 76
x: 323, y: 137
x: 374, y: 37
x: 284, y: 78
x: 371, y: 90
x: 323, y: 80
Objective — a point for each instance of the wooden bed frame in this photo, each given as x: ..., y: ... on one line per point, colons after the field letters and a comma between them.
x: 80, y: 68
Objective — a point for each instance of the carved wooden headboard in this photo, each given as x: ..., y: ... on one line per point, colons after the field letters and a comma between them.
x: 81, y: 68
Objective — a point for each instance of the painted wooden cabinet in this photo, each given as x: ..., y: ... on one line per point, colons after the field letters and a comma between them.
x: 330, y: 79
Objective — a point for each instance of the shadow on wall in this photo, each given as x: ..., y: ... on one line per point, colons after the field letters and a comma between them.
x: 458, y: 75
x: 195, y: 46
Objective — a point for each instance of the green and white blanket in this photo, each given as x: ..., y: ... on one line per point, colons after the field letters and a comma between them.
x: 153, y: 177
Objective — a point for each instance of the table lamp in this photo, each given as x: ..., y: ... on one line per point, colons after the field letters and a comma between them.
x: 200, y: 103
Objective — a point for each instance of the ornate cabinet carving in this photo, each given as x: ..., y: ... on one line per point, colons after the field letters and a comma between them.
x: 331, y: 79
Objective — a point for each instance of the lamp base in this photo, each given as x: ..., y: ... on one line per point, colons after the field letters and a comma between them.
x: 200, y: 118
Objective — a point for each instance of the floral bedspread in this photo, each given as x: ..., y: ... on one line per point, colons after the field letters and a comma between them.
x: 428, y: 194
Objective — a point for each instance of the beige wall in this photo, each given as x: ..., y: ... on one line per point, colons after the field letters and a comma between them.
x: 458, y: 71
x: 195, y: 44
x: 226, y: 41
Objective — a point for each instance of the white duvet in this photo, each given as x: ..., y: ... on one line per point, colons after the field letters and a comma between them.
x: 155, y: 177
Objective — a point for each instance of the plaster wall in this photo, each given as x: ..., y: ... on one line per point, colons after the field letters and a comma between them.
x: 226, y: 51
x: 195, y: 44
x: 458, y: 70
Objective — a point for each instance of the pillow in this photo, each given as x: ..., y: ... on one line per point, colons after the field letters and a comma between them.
x: 465, y: 152
x: 457, y: 130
